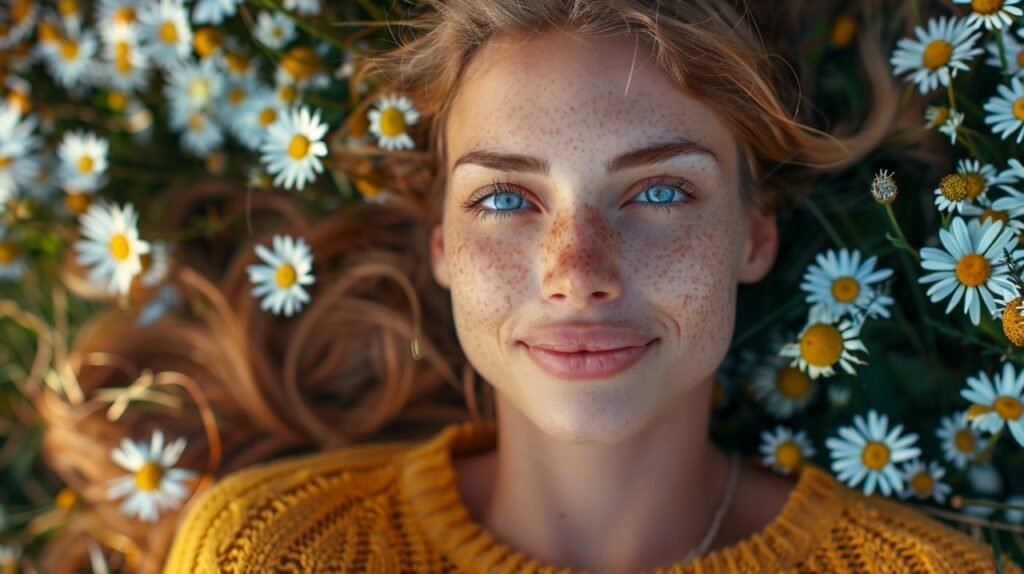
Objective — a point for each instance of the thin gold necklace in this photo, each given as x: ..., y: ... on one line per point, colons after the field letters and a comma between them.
x: 716, y: 522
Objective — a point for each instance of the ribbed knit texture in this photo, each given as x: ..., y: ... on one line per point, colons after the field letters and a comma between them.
x: 395, y: 507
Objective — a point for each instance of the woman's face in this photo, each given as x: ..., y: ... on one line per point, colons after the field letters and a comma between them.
x: 577, y: 223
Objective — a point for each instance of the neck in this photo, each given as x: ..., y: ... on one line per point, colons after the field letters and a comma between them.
x: 635, y: 504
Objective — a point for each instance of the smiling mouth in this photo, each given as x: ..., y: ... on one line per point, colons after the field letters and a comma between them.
x: 587, y: 365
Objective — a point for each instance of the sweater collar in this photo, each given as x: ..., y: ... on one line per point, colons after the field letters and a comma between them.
x: 430, y: 485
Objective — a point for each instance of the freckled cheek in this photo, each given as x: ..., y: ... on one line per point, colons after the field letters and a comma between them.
x: 489, y: 276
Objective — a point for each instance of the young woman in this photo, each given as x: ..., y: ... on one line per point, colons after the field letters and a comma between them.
x: 605, y: 176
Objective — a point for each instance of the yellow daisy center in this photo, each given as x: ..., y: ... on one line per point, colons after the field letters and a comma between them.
x: 267, y: 116
x: 20, y: 100
x: 19, y: 10
x: 922, y: 483
x: 287, y: 94
x: 301, y: 62
x: 963, y: 440
x: 168, y: 32
x: 788, y: 455
x: 149, y: 476
x: 845, y: 289
x: 236, y: 95
x: 48, y: 32
x: 299, y: 147
x: 124, y: 15
x: 77, y: 202
x: 121, y: 57
x: 68, y: 49
x: 1020, y: 58
x: 986, y: 7
x: 1013, y: 322
x: 973, y: 270
x: 8, y: 251
x: 821, y: 345
x: 196, y: 122
x: 1018, y: 109
x: 937, y: 54
x: 995, y: 215
x: 392, y: 122
x: 941, y: 115
x: 85, y: 164
x: 206, y: 41
x: 237, y: 63
x: 199, y: 90
x: 119, y: 247
x: 1008, y: 407
x: 116, y: 101
x: 954, y: 187
x: 975, y: 184
x: 285, y: 276
x: 792, y: 382
x: 5, y: 161
x: 843, y: 31
x: 875, y: 455
x: 66, y: 498
x: 67, y: 8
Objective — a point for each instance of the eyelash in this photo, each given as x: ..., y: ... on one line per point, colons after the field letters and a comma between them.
x: 473, y: 203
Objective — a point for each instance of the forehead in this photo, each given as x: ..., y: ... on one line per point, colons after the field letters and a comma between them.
x: 589, y: 96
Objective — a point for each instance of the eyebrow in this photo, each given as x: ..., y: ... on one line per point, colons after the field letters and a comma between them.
x: 646, y: 155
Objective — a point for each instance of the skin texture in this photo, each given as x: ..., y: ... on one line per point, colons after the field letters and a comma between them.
x: 618, y: 474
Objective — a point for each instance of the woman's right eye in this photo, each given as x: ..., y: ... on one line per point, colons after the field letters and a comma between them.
x: 503, y: 202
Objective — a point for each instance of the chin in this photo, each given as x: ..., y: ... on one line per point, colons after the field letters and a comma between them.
x: 594, y: 417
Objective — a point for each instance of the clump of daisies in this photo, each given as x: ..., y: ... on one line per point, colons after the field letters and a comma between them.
x: 825, y: 342
x: 155, y: 485
x: 869, y: 452
x: 111, y: 245
x: 293, y: 146
x: 969, y: 265
x: 282, y: 279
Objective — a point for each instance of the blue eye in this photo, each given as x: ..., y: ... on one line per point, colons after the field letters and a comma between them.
x: 506, y: 199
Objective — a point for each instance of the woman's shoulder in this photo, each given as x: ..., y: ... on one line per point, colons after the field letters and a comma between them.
x: 882, y: 530
x: 229, y: 524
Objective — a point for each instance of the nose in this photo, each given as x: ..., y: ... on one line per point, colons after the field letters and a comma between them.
x: 581, y: 256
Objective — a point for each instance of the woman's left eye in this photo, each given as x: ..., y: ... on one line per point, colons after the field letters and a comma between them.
x: 663, y: 194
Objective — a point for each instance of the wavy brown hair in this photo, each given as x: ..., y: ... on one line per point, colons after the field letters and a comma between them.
x: 251, y: 387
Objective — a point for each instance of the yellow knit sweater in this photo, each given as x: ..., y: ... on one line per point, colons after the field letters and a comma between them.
x: 395, y: 507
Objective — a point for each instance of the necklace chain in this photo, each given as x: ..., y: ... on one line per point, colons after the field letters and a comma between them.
x: 716, y: 522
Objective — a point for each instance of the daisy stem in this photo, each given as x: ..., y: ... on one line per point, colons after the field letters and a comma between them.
x: 952, y: 94
x: 917, y: 12
x: 831, y: 231
x: 986, y: 453
x: 1002, y: 54
x: 899, y: 232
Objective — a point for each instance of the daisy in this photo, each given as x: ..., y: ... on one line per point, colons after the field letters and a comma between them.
x: 12, y: 261
x: 20, y: 18
x: 389, y: 121
x: 274, y: 30
x: 951, y: 194
x: 883, y: 187
x: 1010, y: 311
x: 839, y: 394
x: 869, y: 449
x: 969, y: 265
x: 1014, y: 52
x: 1014, y: 173
x: 782, y: 389
x: 252, y: 123
x: 192, y: 86
x: 167, y: 299
x: 784, y: 451
x: 202, y: 133
x: 997, y: 401
x: 1006, y: 111
x: 293, y: 146
x: 165, y: 31
x: 116, y: 12
x: 125, y: 66
x: 70, y: 61
x: 823, y: 343
x: 945, y: 46
x: 289, y: 267
x: 960, y: 442
x: 111, y: 246
x: 925, y: 481
x: 18, y: 165
x: 951, y: 126
x: 83, y: 160
x: 302, y: 67
x: 155, y: 484
x: 843, y: 284
x: 155, y: 264
x: 993, y: 14
x: 213, y: 11
x: 935, y: 116
x: 305, y: 7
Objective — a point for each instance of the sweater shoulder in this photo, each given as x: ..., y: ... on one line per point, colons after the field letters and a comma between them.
x: 878, y: 530
x: 247, y: 515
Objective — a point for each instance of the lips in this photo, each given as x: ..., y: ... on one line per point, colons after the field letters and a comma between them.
x: 587, y: 351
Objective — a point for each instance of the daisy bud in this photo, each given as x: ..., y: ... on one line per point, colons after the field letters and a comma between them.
x: 883, y: 187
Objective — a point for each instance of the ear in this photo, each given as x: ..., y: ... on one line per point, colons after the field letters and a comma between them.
x: 762, y: 244
x: 438, y: 261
